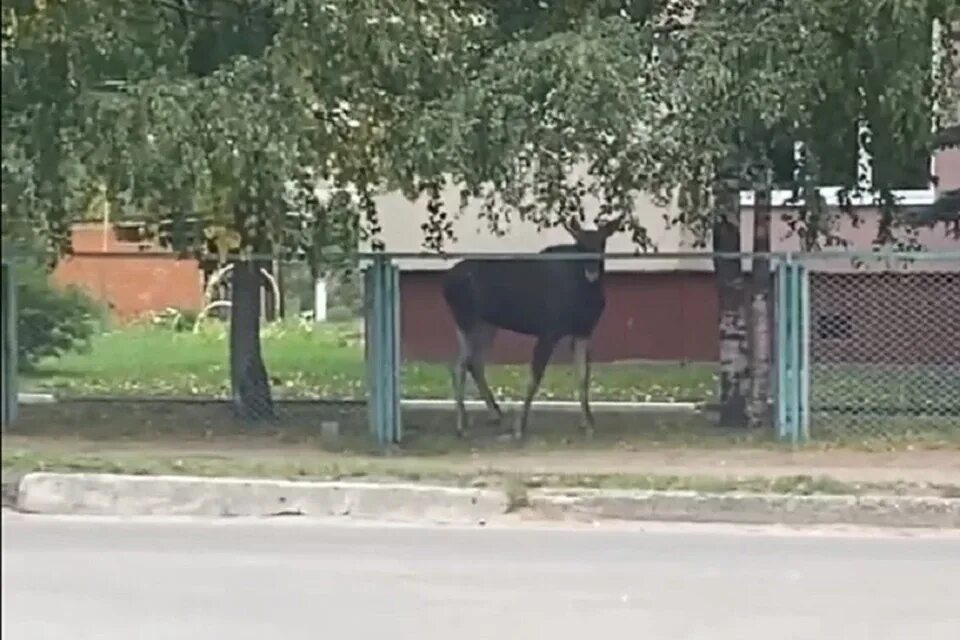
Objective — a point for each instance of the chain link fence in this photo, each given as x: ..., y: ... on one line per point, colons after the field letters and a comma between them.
x: 884, y: 354
x: 884, y: 348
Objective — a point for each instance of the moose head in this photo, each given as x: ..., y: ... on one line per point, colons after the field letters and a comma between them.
x: 593, y: 241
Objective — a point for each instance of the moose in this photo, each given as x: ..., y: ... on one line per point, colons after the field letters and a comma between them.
x: 548, y: 299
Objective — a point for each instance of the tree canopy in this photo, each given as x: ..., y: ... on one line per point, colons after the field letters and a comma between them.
x: 663, y: 102
x: 217, y: 114
x: 225, y: 114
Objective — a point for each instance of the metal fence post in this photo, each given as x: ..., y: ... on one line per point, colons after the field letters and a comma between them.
x: 785, y: 353
x: 383, y: 347
x: 8, y: 403
x: 371, y: 345
x: 804, y: 361
x: 394, y: 319
x: 784, y: 368
x: 793, y: 349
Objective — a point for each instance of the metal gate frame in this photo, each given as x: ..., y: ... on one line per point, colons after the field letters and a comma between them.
x: 791, y: 348
x: 8, y: 300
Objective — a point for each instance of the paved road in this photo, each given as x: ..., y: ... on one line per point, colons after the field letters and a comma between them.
x: 74, y: 579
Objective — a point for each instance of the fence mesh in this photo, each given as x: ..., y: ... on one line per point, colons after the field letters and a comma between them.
x: 884, y: 348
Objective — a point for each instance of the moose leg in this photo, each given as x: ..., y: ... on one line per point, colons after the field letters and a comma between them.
x: 581, y: 359
x: 481, y: 341
x: 460, y: 380
x: 541, y: 356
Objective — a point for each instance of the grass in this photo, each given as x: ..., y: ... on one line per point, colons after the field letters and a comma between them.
x: 450, y: 471
x: 323, y: 361
x: 884, y: 389
x: 851, y: 404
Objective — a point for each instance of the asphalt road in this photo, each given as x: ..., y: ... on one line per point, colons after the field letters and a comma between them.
x: 80, y: 578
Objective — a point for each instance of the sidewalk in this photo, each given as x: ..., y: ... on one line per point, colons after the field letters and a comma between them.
x: 922, y: 467
x: 235, y: 476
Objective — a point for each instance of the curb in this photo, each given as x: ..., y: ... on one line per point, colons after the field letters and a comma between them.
x: 125, y: 495
x: 749, y: 508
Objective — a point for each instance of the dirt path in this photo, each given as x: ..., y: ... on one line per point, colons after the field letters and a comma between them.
x: 940, y: 467
x: 914, y: 467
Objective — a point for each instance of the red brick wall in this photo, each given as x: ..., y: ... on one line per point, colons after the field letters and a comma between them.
x: 131, y: 285
x: 909, y: 318
x: 656, y: 316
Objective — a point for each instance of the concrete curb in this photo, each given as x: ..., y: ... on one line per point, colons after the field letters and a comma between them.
x: 749, y: 508
x: 123, y: 495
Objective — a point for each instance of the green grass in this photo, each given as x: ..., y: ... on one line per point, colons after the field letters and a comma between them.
x: 324, y: 361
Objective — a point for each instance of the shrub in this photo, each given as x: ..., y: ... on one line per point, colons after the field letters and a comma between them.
x: 51, y: 321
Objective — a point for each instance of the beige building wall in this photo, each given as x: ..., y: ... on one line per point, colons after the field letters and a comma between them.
x: 401, y: 222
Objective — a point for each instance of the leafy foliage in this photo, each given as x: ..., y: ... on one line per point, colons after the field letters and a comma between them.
x: 664, y: 100
x: 57, y: 56
x: 218, y: 114
x: 51, y: 321
x: 276, y: 122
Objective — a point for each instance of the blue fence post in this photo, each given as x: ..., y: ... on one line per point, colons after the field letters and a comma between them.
x: 8, y: 403
x: 371, y: 344
x: 804, y: 362
x: 781, y: 319
x: 381, y: 281
x: 783, y: 350
x: 396, y: 392
x: 793, y: 351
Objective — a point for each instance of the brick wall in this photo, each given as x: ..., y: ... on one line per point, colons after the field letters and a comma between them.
x: 868, y: 318
x: 130, y: 285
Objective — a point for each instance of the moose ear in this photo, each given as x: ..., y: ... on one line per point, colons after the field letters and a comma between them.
x: 613, y: 226
x: 572, y: 225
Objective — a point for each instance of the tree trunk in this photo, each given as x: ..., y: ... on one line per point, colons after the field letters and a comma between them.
x: 760, y: 313
x: 280, y: 304
x: 732, y: 322
x: 248, y: 375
